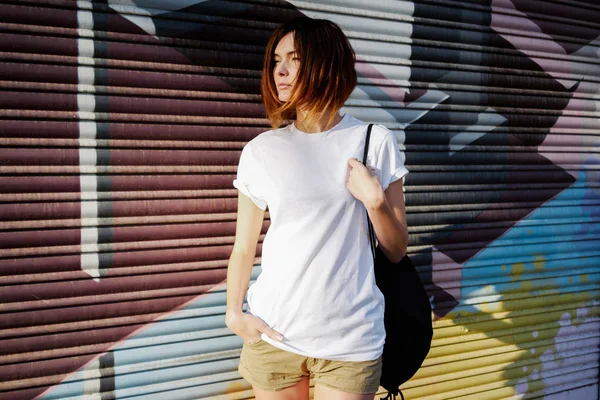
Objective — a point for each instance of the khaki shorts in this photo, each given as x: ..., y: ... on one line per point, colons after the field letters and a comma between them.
x: 270, y: 368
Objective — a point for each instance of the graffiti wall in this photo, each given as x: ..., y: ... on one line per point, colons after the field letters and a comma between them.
x: 121, y: 125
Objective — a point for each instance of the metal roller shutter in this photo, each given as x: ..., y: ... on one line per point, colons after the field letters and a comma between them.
x: 121, y: 124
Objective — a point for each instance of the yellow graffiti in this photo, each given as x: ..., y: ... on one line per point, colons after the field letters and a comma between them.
x: 500, y: 348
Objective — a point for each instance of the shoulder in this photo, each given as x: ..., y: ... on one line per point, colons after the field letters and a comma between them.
x: 266, y: 138
x: 379, y: 133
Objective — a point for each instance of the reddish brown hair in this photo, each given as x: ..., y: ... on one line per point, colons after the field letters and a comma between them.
x: 326, y: 76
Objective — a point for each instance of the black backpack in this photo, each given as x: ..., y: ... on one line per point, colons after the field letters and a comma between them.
x: 407, y: 316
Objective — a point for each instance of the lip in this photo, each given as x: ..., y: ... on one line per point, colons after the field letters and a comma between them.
x: 283, y: 86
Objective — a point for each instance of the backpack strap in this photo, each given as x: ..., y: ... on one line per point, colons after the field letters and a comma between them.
x: 392, y: 396
x: 367, y: 140
x: 372, y: 238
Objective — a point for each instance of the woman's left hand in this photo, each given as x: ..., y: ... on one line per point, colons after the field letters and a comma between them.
x: 364, y: 184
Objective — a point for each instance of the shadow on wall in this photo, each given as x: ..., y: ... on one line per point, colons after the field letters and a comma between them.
x: 447, y: 144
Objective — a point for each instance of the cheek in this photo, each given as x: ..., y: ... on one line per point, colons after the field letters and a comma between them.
x: 293, y: 72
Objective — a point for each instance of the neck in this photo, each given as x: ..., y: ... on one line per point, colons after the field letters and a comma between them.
x: 320, y: 125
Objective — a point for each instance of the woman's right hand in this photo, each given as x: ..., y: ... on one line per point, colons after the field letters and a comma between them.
x: 249, y: 327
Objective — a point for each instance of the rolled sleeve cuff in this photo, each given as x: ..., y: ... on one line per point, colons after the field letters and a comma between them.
x: 398, y: 174
x: 242, y: 187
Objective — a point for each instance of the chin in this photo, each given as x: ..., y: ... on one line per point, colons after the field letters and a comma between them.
x: 283, y: 97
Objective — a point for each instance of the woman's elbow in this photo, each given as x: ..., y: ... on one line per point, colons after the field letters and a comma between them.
x: 400, y: 251
x: 397, y: 256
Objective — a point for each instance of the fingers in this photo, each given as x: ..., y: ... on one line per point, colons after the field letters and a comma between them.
x: 270, y: 332
x: 273, y: 334
x: 260, y: 326
x: 353, y: 162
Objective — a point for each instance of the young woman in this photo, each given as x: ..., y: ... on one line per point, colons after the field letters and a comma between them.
x: 315, y: 310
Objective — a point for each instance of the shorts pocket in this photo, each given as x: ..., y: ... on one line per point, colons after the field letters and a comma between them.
x: 255, y: 344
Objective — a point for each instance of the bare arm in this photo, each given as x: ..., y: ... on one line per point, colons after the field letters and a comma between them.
x: 248, y: 227
x: 388, y: 216
x: 386, y: 209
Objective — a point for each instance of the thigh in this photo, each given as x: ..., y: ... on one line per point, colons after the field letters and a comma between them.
x: 298, y: 391
x: 355, y: 380
x: 323, y: 392
x: 271, y: 369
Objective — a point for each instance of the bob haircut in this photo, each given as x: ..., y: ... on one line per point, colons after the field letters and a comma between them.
x: 326, y: 75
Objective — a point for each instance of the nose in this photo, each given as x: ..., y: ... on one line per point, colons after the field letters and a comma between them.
x: 281, y: 69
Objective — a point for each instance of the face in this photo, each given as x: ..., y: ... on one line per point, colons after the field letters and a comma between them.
x: 286, y: 67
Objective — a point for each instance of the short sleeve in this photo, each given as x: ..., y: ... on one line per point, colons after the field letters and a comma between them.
x: 249, y: 176
x: 389, y: 161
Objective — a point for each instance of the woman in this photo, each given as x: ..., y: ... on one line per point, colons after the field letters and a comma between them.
x: 315, y: 310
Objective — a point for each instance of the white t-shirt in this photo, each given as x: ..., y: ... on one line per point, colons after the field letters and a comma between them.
x: 317, y: 285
